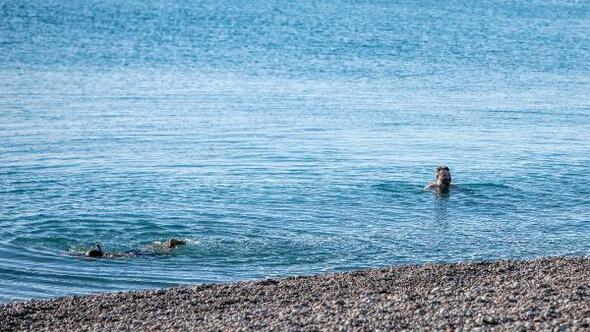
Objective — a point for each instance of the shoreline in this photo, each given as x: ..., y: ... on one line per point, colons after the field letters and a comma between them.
x: 540, y: 294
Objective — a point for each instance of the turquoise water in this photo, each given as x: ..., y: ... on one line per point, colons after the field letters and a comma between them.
x: 283, y: 138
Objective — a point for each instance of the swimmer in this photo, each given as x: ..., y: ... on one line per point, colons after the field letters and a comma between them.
x: 156, y: 248
x: 443, y: 179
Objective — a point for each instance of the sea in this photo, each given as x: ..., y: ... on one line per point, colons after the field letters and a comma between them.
x: 283, y: 138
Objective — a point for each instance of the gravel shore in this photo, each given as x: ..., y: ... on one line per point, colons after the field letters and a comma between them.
x: 542, y: 294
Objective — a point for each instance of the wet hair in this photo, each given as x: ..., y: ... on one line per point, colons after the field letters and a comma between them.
x: 173, y: 243
x: 95, y: 252
x: 441, y: 168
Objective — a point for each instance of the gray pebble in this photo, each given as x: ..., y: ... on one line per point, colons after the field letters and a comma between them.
x: 544, y: 294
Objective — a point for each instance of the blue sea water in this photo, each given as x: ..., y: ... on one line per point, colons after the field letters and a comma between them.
x: 284, y: 138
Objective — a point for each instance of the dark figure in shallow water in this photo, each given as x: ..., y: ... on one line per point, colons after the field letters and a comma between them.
x: 95, y: 252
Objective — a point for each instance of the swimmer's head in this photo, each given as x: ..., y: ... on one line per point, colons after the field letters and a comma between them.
x: 443, y: 177
x: 173, y: 243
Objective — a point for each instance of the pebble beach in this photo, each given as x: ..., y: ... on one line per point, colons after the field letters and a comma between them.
x: 541, y: 294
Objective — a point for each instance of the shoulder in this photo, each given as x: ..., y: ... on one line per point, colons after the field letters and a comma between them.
x: 431, y: 185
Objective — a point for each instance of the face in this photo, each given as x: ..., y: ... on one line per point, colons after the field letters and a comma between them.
x: 443, y: 177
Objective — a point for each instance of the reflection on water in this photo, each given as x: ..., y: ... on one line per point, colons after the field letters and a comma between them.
x: 441, y: 203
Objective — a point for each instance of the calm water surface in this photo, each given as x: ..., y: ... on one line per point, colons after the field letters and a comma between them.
x: 284, y: 139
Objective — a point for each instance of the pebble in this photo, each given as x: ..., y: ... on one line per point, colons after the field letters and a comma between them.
x: 543, y: 294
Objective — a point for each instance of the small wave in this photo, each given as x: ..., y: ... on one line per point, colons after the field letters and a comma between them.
x: 398, y: 186
x: 486, y: 189
x: 482, y: 185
